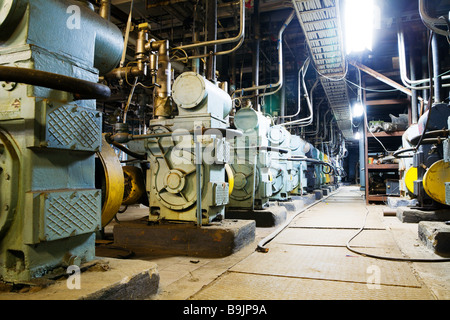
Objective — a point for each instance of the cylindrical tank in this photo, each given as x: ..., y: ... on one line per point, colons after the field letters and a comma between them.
x: 190, y: 90
x: 299, y: 146
x: 247, y: 119
x: 279, y: 136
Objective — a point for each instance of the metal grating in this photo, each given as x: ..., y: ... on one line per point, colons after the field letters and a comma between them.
x: 71, y: 213
x: 76, y: 128
x: 320, y: 22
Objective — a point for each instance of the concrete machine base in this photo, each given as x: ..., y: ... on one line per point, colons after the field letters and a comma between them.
x: 275, y: 214
x: 219, y: 239
x: 412, y: 215
x: 101, y: 279
x: 436, y: 236
x: 268, y: 217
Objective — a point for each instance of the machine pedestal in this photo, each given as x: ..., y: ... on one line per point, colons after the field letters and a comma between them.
x: 412, y: 215
x: 268, y: 217
x: 436, y: 236
x: 219, y: 239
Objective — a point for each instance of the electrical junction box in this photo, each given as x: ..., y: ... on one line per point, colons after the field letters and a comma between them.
x: 393, y: 187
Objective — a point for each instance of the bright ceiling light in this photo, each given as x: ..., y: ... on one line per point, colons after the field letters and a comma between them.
x: 359, y: 24
x: 357, y: 136
x: 358, y: 110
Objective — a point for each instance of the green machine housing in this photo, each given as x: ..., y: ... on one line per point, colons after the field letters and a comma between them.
x: 299, y: 148
x: 49, y: 206
x: 281, y: 167
x: 251, y: 161
x: 202, y: 110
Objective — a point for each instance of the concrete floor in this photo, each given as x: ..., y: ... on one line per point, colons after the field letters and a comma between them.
x: 308, y: 260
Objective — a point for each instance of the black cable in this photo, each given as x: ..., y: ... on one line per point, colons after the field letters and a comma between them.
x: 260, y: 247
x: 384, y: 257
x: 398, y: 152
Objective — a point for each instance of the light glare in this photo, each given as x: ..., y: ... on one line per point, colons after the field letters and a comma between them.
x: 359, y: 25
x: 358, y: 110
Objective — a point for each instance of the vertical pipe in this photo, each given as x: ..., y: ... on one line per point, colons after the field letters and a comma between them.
x: 282, y: 103
x: 362, y: 157
x: 211, y: 14
x: 436, y: 68
x: 198, y: 174
x: 105, y: 9
x: 233, y: 70
x: 195, y: 62
x: 424, y: 76
x: 256, y: 43
x: 414, y: 110
x: 162, y: 103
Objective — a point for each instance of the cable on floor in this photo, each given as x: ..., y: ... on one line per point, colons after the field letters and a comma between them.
x: 260, y: 247
x: 384, y: 257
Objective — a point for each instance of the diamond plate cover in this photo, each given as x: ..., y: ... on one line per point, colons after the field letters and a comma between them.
x: 73, y: 127
x: 221, y: 196
x: 447, y: 193
x: 70, y: 213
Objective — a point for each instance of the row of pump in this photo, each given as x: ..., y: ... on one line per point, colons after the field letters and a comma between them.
x: 61, y: 180
x: 244, y: 161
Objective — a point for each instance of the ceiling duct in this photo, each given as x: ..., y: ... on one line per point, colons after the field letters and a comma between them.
x: 321, y: 25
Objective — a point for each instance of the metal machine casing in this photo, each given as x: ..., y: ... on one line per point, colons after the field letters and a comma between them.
x: 49, y: 141
x: 251, y: 163
x: 280, y: 167
x: 299, y: 148
x: 171, y: 179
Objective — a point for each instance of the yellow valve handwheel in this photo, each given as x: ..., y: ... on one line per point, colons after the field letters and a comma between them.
x: 434, y: 180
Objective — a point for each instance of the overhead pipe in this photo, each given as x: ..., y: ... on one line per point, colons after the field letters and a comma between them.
x: 256, y: 46
x: 410, y: 83
x: 316, y: 130
x: 309, y: 119
x: 300, y: 81
x: 279, y: 83
x: 430, y: 22
x: 239, y: 37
